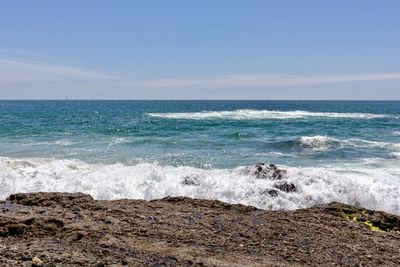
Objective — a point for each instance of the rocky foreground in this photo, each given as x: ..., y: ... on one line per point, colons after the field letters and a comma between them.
x: 62, y: 229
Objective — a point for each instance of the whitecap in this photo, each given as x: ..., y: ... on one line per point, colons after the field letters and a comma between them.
x: 323, y: 142
x: 315, y: 142
x: 251, y: 114
x: 51, y: 143
x: 358, y: 184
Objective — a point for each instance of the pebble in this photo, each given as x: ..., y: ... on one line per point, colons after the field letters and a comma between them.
x: 36, y: 261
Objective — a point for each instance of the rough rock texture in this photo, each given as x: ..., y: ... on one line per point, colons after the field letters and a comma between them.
x: 267, y: 171
x: 271, y: 172
x: 61, y: 229
x: 286, y: 187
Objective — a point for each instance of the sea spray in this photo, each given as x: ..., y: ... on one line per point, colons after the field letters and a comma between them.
x: 369, y: 187
x: 250, y: 114
x: 344, y: 151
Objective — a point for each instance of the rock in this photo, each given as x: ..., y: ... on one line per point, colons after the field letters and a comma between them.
x: 264, y: 171
x: 36, y: 261
x: 271, y: 192
x: 13, y: 229
x: 286, y: 187
x: 25, y: 258
x: 376, y: 221
x: 49, y: 199
x: 181, y: 231
x: 191, y: 180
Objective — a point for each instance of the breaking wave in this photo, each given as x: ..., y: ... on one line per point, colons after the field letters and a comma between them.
x: 316, y: 142
x: 243, y: 114
x: 371, y: 187
x: 319, y: 142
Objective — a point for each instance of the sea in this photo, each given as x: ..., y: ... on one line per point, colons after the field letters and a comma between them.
x: 346, y: 151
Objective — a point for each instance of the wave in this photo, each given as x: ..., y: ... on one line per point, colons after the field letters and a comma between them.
x: 315, y: 142
x: 375, y: 188
x: 319, y: 142
x: 51, y: 143
x: 243, y: 114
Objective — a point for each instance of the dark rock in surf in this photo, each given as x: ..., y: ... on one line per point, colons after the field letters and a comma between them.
x: 191, y: 180
x: 286, y: 187
x: 264, y: 171
x: 271, y: 192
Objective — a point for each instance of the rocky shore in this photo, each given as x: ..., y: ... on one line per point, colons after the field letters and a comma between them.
x: 73, y: 229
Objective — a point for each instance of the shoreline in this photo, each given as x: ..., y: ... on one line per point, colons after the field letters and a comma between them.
x: 73, y: 229
x: 263, y: 185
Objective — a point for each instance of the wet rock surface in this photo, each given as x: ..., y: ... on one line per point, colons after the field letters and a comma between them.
x: 191, y: 180
x: 272, y: 172
x: 268, y: 171
x: 61, y: 229
x: 285, y: 187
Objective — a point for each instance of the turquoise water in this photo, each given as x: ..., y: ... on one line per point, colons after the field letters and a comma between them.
x: 333, y: 150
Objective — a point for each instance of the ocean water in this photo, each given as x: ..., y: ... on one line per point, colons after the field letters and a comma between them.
x: 346, y: 151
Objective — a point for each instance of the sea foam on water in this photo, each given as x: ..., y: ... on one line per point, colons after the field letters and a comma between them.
x: 243, y: 114
x: 370, y: 187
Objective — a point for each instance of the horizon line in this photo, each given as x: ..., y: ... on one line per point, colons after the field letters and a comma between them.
x: 97, y: 99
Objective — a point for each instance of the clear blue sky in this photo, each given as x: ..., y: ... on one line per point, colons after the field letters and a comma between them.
x: 310, y: 49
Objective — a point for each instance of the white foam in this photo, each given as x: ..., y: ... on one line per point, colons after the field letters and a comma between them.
x: 120, y: 140
x: 274, y: 154
x: 371, y: 187
x: 319, y: 142
x: 393, y: 148
x: 51, y: 143
x: 243, y: 114
x: 316, y: 142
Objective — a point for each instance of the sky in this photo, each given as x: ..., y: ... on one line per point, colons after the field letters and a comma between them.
x: 192, y: 49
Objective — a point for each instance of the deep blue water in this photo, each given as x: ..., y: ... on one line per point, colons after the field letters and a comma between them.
x: 325, y: 138
x: 127, y: 131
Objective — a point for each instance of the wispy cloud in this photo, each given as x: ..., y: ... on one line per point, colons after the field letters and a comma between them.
x: 264, y: 80
x: 21, y: 78
x: 6, y: 52
x: 17, y: 71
